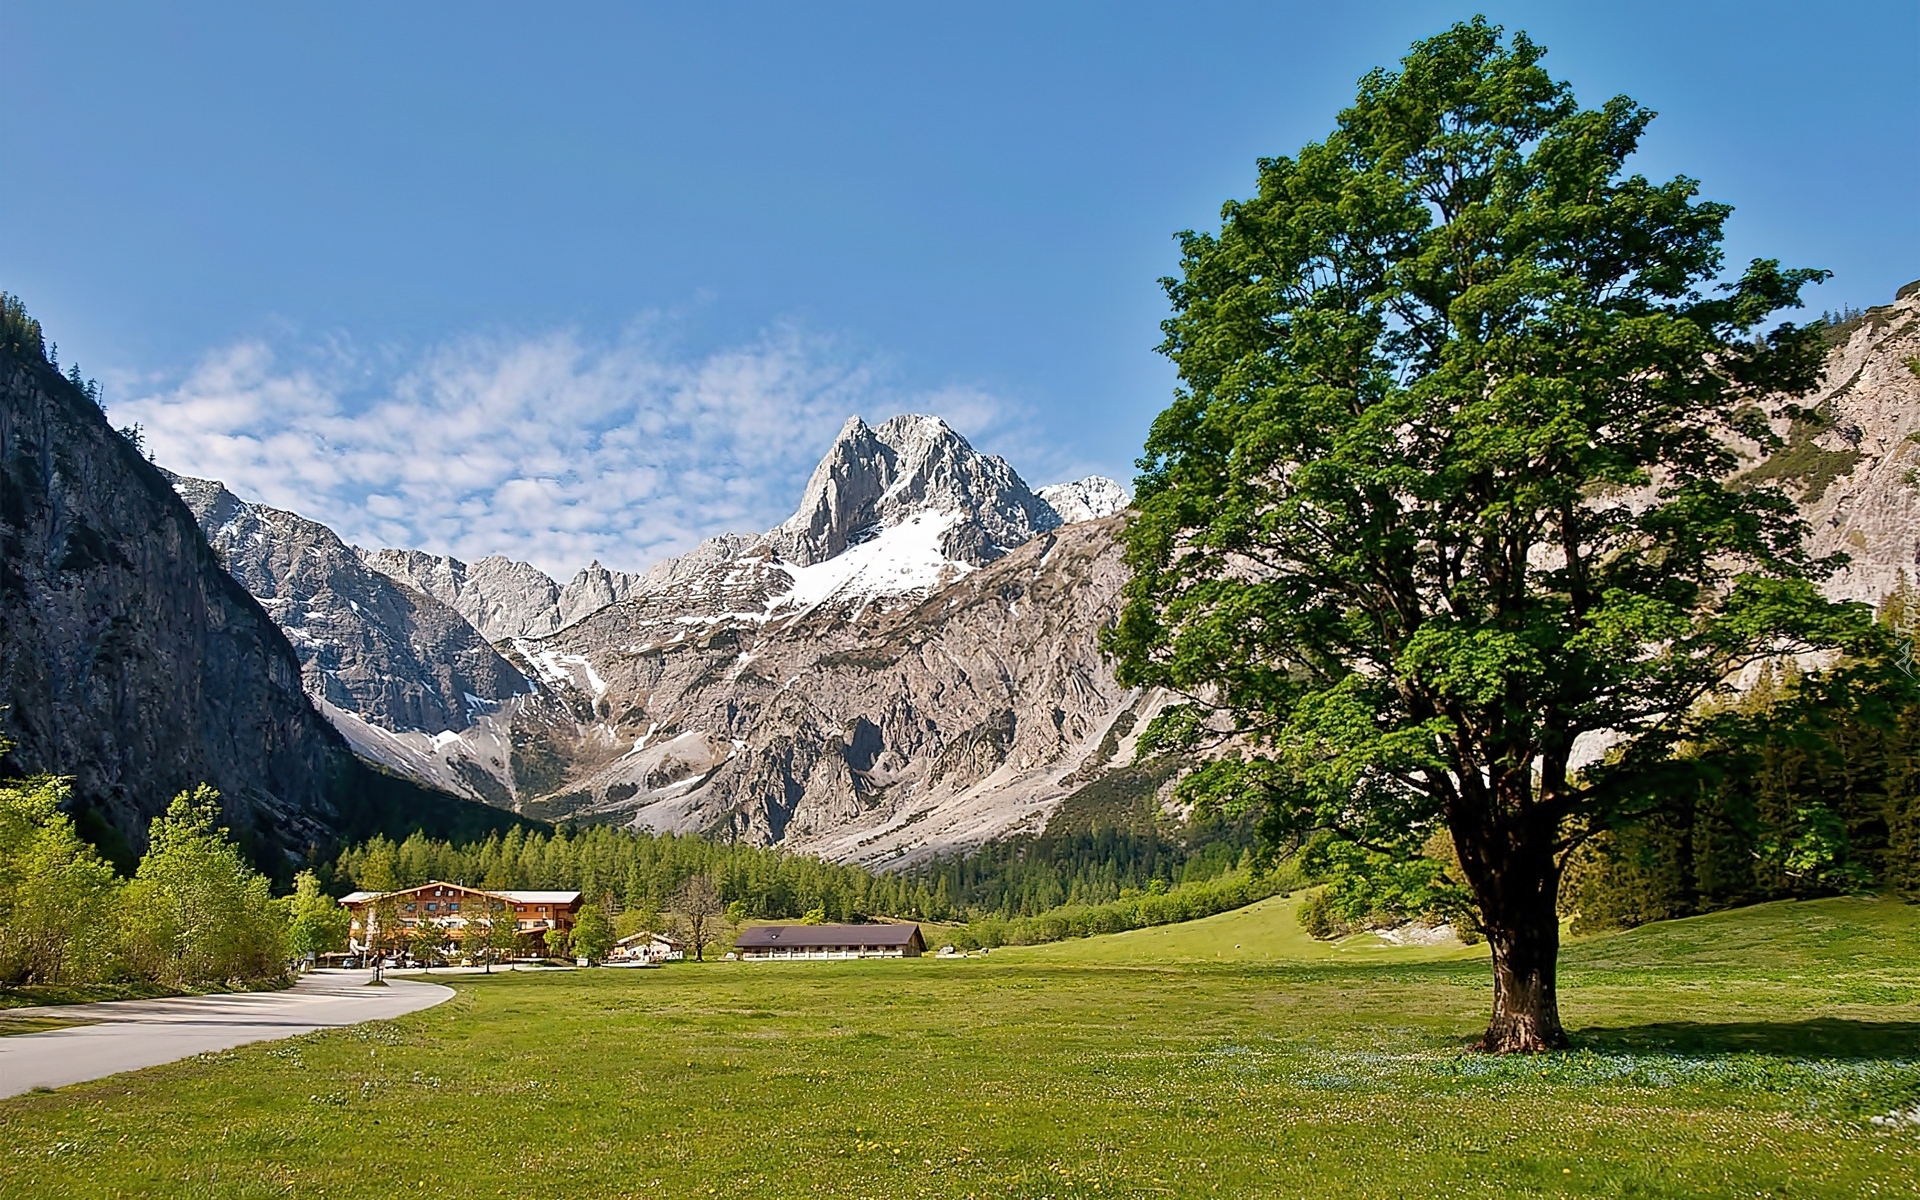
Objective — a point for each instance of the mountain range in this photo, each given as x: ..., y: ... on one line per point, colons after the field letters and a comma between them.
x: 863, y: 679
x: 906, y: 667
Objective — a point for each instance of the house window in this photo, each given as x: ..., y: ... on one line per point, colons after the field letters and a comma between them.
x: 543, y: 908
x: 433, y: 907
x: 454, y: 907
x: 410, y: 907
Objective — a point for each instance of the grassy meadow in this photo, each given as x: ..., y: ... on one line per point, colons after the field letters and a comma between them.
x: 1742, y: 1053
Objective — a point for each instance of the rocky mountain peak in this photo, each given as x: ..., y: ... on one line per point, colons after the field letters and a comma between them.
x: 367, y: 642
x: 873, y: 478
x: 1086, y: 499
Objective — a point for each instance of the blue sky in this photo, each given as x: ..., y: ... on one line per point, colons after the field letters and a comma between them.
x: 597, y: 280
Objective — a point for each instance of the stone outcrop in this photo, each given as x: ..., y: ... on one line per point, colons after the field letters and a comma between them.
x: 873, y: 479
x: 502, y: 597
x: 1086, y: 499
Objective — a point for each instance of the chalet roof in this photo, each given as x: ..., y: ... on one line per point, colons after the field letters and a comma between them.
x: 810, y: 937
x: 516, y: 897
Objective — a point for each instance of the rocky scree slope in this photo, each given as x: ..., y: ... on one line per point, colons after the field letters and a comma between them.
x: 133, y: 663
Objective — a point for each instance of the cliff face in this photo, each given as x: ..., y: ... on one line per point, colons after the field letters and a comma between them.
x: 500, y: 597
x: 1853, y: 465
x: 367, y: 643
x: 131, y: 661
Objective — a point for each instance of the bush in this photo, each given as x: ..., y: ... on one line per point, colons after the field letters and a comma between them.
x: 56, y: 894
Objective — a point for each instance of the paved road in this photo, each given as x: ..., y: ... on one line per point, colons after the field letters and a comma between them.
x: 142, y: 1033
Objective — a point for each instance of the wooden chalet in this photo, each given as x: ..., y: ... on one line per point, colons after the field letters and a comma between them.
x: 829, y: 941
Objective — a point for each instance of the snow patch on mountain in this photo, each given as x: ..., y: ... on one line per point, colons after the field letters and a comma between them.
x: 903, y: 559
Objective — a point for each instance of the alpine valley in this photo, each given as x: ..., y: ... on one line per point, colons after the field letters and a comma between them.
x: 906, y: 668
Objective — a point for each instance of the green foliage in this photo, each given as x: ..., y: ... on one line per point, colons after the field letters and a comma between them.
x: 1441, y: 488
x: 315, y: 922
x: 194, y: 914
x: 56, y: 894
x: 1804, y: 461
x: 1807, y: 785
x: 1135, y: 911
x: 1104, y: 843
x: 592, y: 933
x: 640, y: 871
x: 196, y: 910
x: 20, y: 334
x: 1107, y: 838
x: 1378, y: 889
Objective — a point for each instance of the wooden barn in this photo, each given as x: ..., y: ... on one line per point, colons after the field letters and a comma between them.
x: 829, y: 941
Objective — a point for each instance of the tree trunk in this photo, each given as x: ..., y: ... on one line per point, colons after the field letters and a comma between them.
x: 1526, y: 1005
x: 1516, y: 882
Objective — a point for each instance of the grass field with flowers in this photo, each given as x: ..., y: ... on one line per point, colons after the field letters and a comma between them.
x: 1749, y: 1053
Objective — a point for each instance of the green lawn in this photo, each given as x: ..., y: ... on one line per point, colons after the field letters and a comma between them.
x: 1737, y: 1054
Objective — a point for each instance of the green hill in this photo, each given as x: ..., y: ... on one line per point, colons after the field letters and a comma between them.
x: 1267, y: 931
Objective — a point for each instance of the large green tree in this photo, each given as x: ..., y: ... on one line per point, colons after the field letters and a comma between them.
x: 1440, y: 508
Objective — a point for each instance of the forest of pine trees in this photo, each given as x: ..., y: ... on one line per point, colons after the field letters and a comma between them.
x: 1804, y: 786
x: 1099, y: 849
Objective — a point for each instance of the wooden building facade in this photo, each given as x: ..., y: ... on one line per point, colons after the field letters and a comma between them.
x: 460, y: 910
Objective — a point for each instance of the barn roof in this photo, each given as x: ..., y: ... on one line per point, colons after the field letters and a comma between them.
x: 762, y: 937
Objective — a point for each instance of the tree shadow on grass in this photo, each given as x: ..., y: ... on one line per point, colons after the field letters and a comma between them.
x: 1821, y: 1037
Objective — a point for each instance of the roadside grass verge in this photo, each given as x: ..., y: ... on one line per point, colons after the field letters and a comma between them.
x: 33, y: 995
x: 1739, y: 1053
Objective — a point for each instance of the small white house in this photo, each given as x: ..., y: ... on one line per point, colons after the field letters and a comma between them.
x: 648, y: 948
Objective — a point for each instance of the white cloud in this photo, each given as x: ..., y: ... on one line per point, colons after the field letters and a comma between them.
x: 548, y: 449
